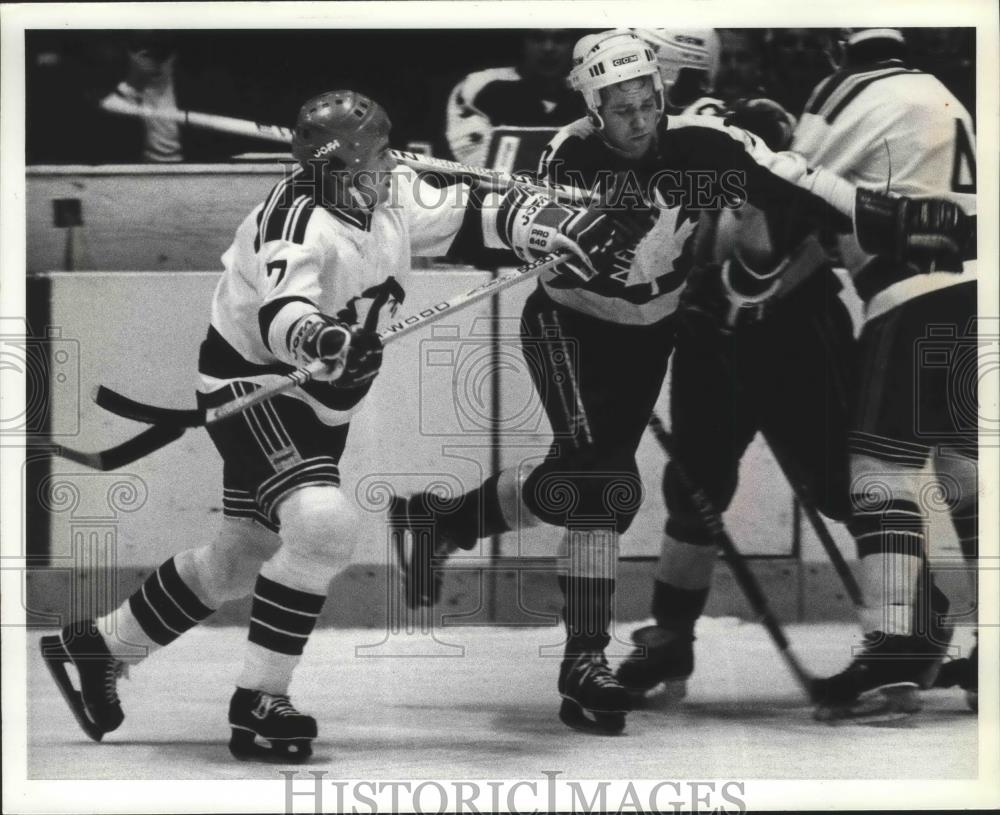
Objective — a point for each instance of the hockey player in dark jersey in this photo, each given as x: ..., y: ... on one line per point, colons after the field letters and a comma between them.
x: 767, y: 349
x: 616, y: 337
x: 310, y: 275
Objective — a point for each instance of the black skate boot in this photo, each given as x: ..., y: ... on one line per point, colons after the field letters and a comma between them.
x: 271, y: 718
x: 431, y: 542
x: 587, y: 686
x: 95, y: 705
x: 663, y: 656
x: 963, y: 672
x: 882, y: 683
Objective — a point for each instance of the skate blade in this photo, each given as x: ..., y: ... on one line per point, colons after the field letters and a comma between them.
x: 889, y: 703
x: 56, y: 657
x: 600, y: 723
x: 246, y: 745
x: 667, y: 694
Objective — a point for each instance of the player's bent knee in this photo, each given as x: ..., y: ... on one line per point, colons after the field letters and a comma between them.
x: 958, y: 478
x: 563, y: 496
x: 320, y: 523
x: 226, y: 568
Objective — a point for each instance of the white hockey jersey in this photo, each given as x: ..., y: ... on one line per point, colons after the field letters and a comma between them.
x: 292, y: 257
x: 891, y: 128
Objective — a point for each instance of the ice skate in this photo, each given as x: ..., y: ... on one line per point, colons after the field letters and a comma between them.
x: 95, y: 704
x: 267, y: 727
x: 594, y: 701
x: 430, y: 544
x: 963, y: 672
x: 882, y: 683
x: 662, y: 662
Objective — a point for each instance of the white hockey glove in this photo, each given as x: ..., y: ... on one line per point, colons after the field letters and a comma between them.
x: 353, y: 354
x: 600, y: 239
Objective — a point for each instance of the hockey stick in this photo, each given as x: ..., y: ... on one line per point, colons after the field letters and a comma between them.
x: 819, y: 527
x: 492, y: 179
x: 168, y: 424
x: 150, y: 440
x: 748, y: 583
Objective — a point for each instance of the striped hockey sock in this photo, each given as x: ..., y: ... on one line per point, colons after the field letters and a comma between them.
x: 281, y: 620
x: 156, y: 614
x: 891, y: 545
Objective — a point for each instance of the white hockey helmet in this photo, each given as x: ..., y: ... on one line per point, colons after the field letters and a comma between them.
x: 605, y: 59
x: 851, y: 37
x: 677, y: 50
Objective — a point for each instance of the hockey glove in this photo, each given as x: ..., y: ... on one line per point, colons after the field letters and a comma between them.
x: 599, y: 239
x: 353, y: 354
x: 764, y: 118
x: 929, y: 229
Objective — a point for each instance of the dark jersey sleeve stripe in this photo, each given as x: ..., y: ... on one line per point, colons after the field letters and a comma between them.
x: 267, y: 313
x: 852, y: 94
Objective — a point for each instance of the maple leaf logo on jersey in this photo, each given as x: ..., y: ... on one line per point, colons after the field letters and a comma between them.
x: 667, y: 245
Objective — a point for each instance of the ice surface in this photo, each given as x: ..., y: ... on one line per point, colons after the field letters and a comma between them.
x: 484, y: 705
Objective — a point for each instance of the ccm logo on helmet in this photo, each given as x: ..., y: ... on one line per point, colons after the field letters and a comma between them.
x: 329, y: 147
x: 624, y: 60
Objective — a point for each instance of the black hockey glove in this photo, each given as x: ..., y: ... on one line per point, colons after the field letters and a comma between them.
x: 598, y: 237
x: 930, y: 230
x: 764, y: 118
x: 353, y: 353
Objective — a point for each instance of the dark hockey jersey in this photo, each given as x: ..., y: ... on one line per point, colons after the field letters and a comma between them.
x: 499, y: 97
x: 698, y: 164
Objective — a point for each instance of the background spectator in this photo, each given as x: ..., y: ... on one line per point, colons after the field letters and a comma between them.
x: 741, y: 65
x: 255, y: 74
x: 534, y: 94
x: 796, y: 59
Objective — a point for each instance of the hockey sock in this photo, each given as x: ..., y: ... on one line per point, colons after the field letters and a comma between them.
x: 281, y: 620
x: 588, y: 589
x: 683, y: 580
x: 890, y: 540
x: 156, y: 614
x: 675, y: 608
x: 965, y: 520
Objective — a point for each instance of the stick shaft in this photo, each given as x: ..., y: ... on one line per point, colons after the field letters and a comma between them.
x: 747, y: 582
x: 390, y: 334
x: 492, y: 179
x: 819, y: 526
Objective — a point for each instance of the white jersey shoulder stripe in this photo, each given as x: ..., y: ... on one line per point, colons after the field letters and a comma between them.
x: 470, y: 87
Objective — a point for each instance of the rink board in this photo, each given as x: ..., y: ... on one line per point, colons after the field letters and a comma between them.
x: 427, y: 420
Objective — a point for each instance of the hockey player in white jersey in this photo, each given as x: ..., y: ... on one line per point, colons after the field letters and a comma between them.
x: 311, y: 274
x: 884, y: 125
x: 616, y: 336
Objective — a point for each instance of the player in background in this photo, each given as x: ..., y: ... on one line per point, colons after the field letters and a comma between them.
x: 312, y: 272
x: 761, y: 345
x: 598, y: 350
x: 741, y: 65
x: 886, y: 126
x: 533, y: 97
